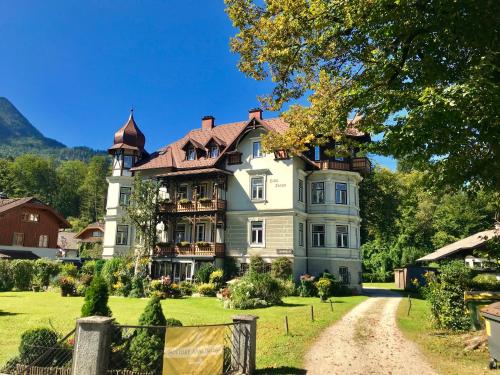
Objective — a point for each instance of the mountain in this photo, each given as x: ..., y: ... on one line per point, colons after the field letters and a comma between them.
x: 18, y: 136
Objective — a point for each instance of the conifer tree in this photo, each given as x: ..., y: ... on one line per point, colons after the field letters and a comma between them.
x: 96, y: 298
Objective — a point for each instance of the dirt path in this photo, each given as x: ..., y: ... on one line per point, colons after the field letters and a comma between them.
x: 367, y: 341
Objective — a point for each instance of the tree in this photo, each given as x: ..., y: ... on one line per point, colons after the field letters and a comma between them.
x: 70, y: 176
x: 94, y: 188
x: 96, y: 298
x: 142, y: 213
x: 425, y: 75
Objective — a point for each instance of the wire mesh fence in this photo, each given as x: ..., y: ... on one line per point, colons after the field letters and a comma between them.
x: 43, y: 356
x: 140, y: 350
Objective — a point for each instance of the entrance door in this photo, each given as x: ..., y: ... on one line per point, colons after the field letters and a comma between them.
x: 176, y: 272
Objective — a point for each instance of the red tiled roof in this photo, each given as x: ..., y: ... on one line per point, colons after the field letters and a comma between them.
x: 173, y: 156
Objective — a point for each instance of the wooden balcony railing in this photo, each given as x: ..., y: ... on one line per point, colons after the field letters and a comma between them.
x: 213, y: 250
x: 194, y: 206
x: 361, y: 165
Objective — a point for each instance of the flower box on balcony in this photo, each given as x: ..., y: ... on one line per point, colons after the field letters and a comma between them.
x: 202, y: 244
x: 184, y: 244
x: 184, y: 201
x: 205, y: 200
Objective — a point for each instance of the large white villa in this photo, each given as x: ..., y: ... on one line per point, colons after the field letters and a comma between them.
x: 224, y: 197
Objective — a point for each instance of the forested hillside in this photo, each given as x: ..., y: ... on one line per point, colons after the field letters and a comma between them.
x: 75, y: 188
x: 407, y: 214
x: 18, y: 136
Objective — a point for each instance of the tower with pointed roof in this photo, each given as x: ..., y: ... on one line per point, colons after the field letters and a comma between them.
x: 126, y: 151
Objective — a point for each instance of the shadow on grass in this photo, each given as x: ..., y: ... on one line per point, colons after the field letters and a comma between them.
x: 281, y: 370
x: 287, y: 304
x: 7, y: 313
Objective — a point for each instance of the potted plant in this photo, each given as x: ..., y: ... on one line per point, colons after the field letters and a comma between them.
x: 67, y: 285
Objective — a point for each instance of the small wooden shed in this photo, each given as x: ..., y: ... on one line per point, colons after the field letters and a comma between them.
x: 403, y: 277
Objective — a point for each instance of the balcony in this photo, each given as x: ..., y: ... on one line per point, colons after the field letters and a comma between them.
x: 361, y: 165
x: 190, y: 250
x: 202, y: 205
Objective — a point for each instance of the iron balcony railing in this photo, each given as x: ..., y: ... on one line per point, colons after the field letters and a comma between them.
x: 212, y: 249
x: 193, y: 206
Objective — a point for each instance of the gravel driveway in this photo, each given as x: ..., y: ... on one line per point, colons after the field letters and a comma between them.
x: 367, y: 341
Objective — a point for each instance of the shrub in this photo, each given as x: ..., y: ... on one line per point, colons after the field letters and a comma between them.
x: 186, y: 288
x: 138, y: 290
x: 69, y: 269
x: 44, y: 270
x: 89, y: 267
x: 307, y: 287
x: 445, y: 293
x: 281, y: 268
x: 202, y: 244
x: 204, y: 272
x: 184, y: 201
x: 486, y: 281
x: 230, y: 268
x: 324, y: 287
x: 146, y: 352
x: 206, y: 289
x: 110, y: 272
x: 96, y: 299
x: 254, y: 290
x: 164, y: 288
x: 171, y: 322
x: 6, y: 276
x: 256, y: 264
x: 217, y: 278
x: 35, y: 342
x: 288, y: 286
x: 22, y: 272
x: 67, y: 285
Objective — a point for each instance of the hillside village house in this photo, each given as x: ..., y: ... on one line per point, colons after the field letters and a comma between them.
x: 222, y: 196
x: 29, y: 229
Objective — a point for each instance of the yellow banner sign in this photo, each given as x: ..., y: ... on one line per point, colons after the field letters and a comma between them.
x: 193, y: 350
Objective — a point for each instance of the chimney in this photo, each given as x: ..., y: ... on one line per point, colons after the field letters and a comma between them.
x: 207, y: 122
x: 255, y: 113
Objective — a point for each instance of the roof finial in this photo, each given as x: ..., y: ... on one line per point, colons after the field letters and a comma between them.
x: 132, y: 112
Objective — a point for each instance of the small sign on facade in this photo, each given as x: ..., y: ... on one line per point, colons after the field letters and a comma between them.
x: 194, y: 350
x: 284, y: 251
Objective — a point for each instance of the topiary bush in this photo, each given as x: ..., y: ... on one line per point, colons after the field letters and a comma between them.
x: 203, y: 273
x: 6, y: 276
x: 96, y: 298
x: 146, y: 348
x: 35, y: 342
x: 22, y: 272
x: 445, y: 293
x: 324, y: 287
x: 281, y: 268
x: 254, y: 290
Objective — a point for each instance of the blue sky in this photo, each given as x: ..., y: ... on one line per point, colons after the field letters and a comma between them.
x: 75, y: 68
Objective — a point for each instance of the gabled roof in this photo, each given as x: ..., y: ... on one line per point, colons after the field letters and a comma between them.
x: 173, y: 156
x: 93, y: 227
x: 468, y: 243
x: 7, y: 204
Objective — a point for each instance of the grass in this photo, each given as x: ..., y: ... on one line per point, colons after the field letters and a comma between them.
x: 276, y: 352
x: 443, y: 349
x: 380, y: 285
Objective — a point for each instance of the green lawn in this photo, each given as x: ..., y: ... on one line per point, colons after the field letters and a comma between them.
x: 23, y: 310
x: 444, y: 350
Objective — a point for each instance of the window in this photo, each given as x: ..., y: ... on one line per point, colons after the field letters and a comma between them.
x: 128, y: 160
x: 97, y: 233
x: 191, y: 153
x: 318, y: 235
x: 200, y: 232
x: 257, y: 188
x: 301, y: 190
x: 344, y: 275
x: 214, y: 151
x: 340, y: 193
x: 43, y: 240
x: 342, y: 236
x: 301, y: 234
x: 122, y: 235
x: 125, y: 193
x: 180, y: 233
x: 317, y: 153
x: 202, y: 191
x: 318, y: 192
x: 256, y: 151
x: 30, y: 217
x: 182, y: 192
x: 18, y: 239
x: 257, y: 233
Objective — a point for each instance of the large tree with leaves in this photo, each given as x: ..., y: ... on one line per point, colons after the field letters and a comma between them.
x: 425, y: 74
x: 93, y: 189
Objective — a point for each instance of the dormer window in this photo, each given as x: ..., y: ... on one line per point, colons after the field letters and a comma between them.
x: 214, y: 151
x: 191, y: 153
x: 128, y: 161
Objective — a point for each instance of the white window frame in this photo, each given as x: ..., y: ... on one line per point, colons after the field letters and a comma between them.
x: 313, y: 184
x: 301, y: 190
x: 250, y: 232
x: 259, y: 150
x: 191, y: 153
x: 43, y: 240
x: 182, y: 231
x: 179, y: 191
x: 122, y: 236
x: 301, y: 234
x: 316, y: 235
x: 214, y: 152
x: 197, y: 232
x: 125, y: 197
x: 16, y: 237
x: 203, y: 186
x: 341, y: 195
x: 342, y: 237
x: 256, y: 198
